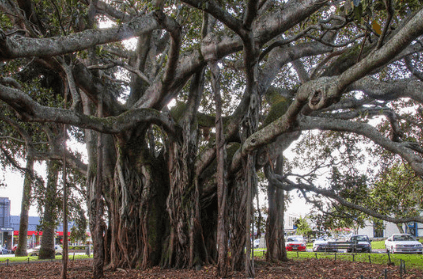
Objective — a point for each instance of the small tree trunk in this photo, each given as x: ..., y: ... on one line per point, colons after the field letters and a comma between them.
x: 275, y: 223
x: 26, y: 203
x: 98, y: 232
x: 237, y: 212
x: 65, y: 210
x: 249, y: 260
x: 47, y: 241
x: 222, y: 190
x: 400, y: 228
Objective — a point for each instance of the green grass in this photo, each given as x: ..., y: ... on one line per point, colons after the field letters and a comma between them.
x: 380, y: 244
x: 411, y: 260
x: 13, y: 259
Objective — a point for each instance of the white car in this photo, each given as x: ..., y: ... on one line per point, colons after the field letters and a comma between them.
x: 256, y: 243
x: 403, y: 243
x: 36, y: 250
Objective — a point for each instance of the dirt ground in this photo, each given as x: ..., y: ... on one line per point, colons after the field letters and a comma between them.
x: 311, y: 268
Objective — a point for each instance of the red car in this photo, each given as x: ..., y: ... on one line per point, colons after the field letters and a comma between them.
x: 294, y: 244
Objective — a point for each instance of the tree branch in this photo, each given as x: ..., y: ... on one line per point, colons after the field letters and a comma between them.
x: 34, y: 112
x: 19, y: 47
x: 309, y: 123
x: 287, y: 185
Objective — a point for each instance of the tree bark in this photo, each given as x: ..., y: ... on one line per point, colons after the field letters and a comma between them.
x: 47, y: 250
x: 400, y: 228
x: 222, y: 190
x: 275, y: 241
x: 26, y: 203
x: 65, y: 255
x: 98, y: 232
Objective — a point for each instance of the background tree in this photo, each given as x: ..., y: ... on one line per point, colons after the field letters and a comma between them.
x: 303, y: 227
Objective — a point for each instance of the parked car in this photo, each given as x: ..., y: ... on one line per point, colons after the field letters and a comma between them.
x: 256, y: 243
x: 403, y: 243
x: 36, y: 250
x: 321, y: 245
x: 4, y: 251
x: 293, y: 243
x: 360, y: 243
x: 14, y: 248
x: 300, y: 238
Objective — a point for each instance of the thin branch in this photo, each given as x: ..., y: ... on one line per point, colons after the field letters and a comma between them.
x: 415, y: 161
x: 390, y: 10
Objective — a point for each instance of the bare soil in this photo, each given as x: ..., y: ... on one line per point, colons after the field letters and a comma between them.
x: 310, y: 268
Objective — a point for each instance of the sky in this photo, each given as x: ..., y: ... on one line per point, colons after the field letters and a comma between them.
x: 13, y: 191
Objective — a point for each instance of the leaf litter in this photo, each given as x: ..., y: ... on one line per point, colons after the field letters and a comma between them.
x: 309, y: 268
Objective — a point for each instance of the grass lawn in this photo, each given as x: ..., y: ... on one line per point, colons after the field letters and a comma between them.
x: 380, y: 244
x: 13, y: 259
x: 411, y: 260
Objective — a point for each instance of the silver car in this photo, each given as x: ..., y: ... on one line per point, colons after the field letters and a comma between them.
x: 36, y: 250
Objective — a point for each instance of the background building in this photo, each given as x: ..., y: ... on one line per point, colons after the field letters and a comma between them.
x: 9, y: 227
x: 386, y: 229
x: 6, y: 230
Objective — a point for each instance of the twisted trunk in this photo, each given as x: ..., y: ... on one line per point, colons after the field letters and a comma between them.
x: 185, y: 246
x: 136, y: 207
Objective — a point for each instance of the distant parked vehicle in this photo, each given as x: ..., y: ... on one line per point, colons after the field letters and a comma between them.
x: 300, y: 238
x: 360, y: 243
x: 256, y: 243
x: 4, y: 251
x: 322, y: 245
x: 403, y: 243
x: 293, y: 243
x: 36, y: 250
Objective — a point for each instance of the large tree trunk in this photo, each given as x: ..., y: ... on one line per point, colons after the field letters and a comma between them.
x: 50, y: 209
x: 275, y: 241
x: 184, y: 248
x: 136, y: 206
x: 185, y: 245
x: 26, y: 203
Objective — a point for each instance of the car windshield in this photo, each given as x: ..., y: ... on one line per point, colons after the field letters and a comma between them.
x: 359, y: 238
x: 294, y: 239
x: 403, y: 238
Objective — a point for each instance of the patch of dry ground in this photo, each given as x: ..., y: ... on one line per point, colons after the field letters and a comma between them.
x: 311, y: 268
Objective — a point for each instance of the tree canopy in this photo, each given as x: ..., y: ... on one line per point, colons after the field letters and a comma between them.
x: 180, y: 103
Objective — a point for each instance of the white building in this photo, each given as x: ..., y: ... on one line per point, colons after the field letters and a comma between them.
x: 389, y: 228
x: 289, y: 222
